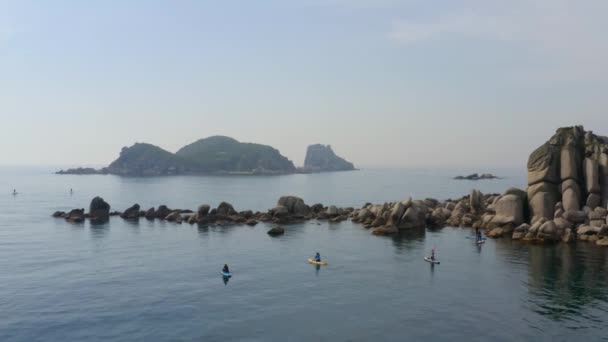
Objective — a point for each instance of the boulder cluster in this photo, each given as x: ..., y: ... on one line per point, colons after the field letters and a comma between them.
x: 289, y: 209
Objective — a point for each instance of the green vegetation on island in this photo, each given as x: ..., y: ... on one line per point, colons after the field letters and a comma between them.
x: 217, y: 154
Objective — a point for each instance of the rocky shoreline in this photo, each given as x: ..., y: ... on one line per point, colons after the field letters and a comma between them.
x: 497, y: 215
x: 566, y: 200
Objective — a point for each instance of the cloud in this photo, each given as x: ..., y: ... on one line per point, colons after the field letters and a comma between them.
x: 564, y: 35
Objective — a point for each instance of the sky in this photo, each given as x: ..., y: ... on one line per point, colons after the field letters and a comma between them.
x: 411, y: 83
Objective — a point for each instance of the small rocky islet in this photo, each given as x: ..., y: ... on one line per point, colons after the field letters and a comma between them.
x: 477, y: 176
x: 566, y: 200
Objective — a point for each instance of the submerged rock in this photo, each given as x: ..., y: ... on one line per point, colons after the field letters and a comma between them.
x: 276, y: 231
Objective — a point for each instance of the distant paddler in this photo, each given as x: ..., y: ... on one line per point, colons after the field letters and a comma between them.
x: 317, y: 260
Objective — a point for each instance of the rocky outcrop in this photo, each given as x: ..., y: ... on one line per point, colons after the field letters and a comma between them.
x: 150, y: 214
x: 321, y: 158
x: 99, y: 210
x: 390, y: 218
x: 75, y: 216
x: 276, y: 231
x: 568, y: 185
x: 476, y: 176
x: 162, y: 212
x: 294, y: 206
x: 571, y: 168
x: 131, y: 213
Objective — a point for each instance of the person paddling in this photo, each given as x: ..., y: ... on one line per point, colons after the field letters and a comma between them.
x: 225, y: 269
x: 318, y: 257
x: 433, y: 254
x: 14, y: 191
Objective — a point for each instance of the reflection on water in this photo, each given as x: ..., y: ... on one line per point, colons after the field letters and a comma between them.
x: 225, y: 280
x: 99, y: 231
x: 408, y: 240
x: 566, y: 280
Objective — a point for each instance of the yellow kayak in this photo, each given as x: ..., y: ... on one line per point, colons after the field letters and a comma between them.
x: 312, y: 261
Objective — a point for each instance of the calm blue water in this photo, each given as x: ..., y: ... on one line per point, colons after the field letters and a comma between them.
x: 157, y: 281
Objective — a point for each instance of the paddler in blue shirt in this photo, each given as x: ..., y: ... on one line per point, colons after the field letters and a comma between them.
x: 225, y: 269
x: 318, y: 257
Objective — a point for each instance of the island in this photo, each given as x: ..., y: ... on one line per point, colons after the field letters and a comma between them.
x: 321, y: 158
x: 215, y: 155
x: 476, y: 176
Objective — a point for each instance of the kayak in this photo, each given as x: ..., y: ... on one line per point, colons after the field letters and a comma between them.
x: 474, y: 238
x: 431, y: 261
x: 226, y: 275
x: 312, y: 261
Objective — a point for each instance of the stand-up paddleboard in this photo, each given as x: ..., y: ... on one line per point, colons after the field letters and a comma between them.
x: 313, y: 261
x: 475, y: 238
x: 226, y: 275
x: 480, y: 242
x: 431, y: 261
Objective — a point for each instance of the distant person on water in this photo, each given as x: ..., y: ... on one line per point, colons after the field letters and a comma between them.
x: 433, y: 254
x: 478, y: 235
x: 318, y: 257
x: 71, y: 191
x: 14, y: 191
x: 225, y: 269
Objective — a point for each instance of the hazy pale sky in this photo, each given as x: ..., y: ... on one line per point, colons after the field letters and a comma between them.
x: 391, y: 83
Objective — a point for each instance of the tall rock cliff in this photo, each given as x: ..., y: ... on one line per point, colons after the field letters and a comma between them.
x: 571, y: 168
x: 321, y: 158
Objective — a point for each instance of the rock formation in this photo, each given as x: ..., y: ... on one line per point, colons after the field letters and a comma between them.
x: 99, y: 210
x: 567, y: 181
x: 320, y: 158
x: 476, y: 176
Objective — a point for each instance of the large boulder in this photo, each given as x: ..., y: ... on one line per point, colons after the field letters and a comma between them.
x: 280, y: 211
x: 75, y: 216
x: 542, y: 198
x: 150, y: 214
x: 414, y: 217
x: 131, y: 213
x: 226, y: 209
x: 99, y: 210
x: 332, y: 210
x: 295, y: 205
x: 602, y: 242
x: 162, y: 212
x: 203, y: 210
x: 548, y: 231
x: 174, y: 216
x: 510, y: 209
x: 575, y: 216
x: 476, y: 202
x: 276, y: 231
x: 385, y: 230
